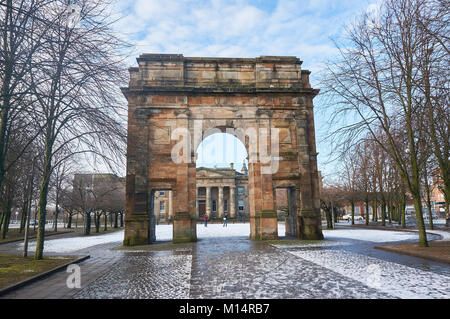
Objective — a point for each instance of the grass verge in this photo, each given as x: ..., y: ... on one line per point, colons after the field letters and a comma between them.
x: 15, y: 269
x: 437, y: 250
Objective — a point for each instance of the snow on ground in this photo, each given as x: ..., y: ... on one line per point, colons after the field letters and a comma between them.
x: 372, y: 235
x: 395, y: 279
x: 67, y: 245
x: 164, y: 233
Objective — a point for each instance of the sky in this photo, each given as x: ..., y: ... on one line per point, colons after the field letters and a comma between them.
x: 242, y: 28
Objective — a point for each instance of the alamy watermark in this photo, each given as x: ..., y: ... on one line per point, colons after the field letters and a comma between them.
x: 74, y: 279
x: 262, y: 144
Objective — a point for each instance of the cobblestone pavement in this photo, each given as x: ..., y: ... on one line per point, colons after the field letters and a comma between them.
x: 236, y: 267
x: 239, y: 268
x: 144, y: 275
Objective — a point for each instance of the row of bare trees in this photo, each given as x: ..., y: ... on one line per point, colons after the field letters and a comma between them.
x: 96, y: 195
x: 389, y: 87
x: 61, y: 65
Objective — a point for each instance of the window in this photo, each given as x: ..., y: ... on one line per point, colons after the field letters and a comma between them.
x: 241, y: 204
x: 162, y: 207
x: 225, y: 205
x: 162, y: 193
x: 214, y: 208
x: 240, y: 190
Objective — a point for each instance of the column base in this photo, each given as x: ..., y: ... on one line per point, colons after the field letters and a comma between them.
x: 138, y: 231
x: 309, y: 225
x: 264, y: 225
x: 184, y: 228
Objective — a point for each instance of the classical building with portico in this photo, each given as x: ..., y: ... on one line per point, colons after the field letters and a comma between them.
x: 220, y: 192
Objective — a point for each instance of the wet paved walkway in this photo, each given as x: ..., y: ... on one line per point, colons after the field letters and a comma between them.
x: 236, y: 267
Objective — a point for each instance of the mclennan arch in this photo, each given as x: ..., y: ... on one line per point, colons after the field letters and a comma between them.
x: 174, y: 102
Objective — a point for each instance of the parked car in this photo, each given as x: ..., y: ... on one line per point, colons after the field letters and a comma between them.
x: 349, y: 217
x: 33, y: 222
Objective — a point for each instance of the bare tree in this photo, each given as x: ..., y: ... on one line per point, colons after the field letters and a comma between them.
x: 376, y: 78
x: 77, y: 92
x: 350, y: 179
x: 23, y: 31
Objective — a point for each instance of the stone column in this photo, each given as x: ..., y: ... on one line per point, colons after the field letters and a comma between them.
x: 309, y: 222
x: 232, y: 201
x: 221, y: 210
x: 170, y: 204
x: 184, y: 222
x: 139, y: 229
x: 208, y: 201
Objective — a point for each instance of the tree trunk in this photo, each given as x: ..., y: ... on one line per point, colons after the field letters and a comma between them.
x: 353, y: 211
x: 367, y: 211
x: 447, y: 213
x: 391, y: 211
x: 430, y: 214
x: 97, y: 222
x: 116, y: 221
x: 420, y: 222
x: 23, y: 218
x: 87, y: 229
x: 374, y: 210
x: 6, y: 212
x: 69, y: 221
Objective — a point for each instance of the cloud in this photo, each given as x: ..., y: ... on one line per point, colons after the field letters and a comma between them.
x: 240, y: 28
x: 237, y: 28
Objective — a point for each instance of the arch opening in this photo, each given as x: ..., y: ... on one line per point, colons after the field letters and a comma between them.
x: 222, y: 187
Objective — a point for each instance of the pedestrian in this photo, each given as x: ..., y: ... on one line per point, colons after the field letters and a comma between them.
x: 225, y: 221
x: 206, y: 220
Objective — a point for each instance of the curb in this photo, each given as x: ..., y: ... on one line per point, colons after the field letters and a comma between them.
x: 41, y: 276
x: 413, y: 254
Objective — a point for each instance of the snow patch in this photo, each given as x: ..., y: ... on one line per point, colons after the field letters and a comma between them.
x: 391, y: 278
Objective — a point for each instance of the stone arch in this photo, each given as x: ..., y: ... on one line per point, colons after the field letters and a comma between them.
x: 170, y: 96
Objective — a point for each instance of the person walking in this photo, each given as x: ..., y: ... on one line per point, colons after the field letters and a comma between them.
x: 225, y: 221
x: 206, y: 220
